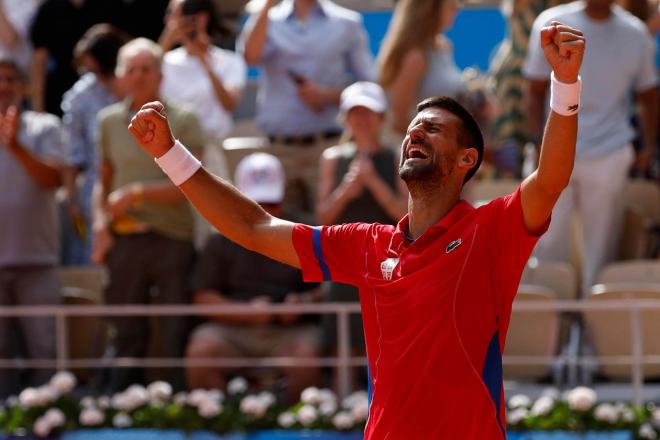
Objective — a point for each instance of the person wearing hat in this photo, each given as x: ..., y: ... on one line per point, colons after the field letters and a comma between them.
x: 358, y: 182
x: 227, y: 274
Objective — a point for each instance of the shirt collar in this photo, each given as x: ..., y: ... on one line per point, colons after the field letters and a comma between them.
x: 457, y: 212
x: 287, y: 9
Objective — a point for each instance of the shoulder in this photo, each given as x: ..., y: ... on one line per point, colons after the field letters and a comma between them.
x: 80, y: 88
x: 333, y: 154
x: 174, y: 56
x: 636, y: 27
x: 559, y: 12
x: 227, y: 56
x: 40, y: 120
x: 337, y: 12
x: 111, y: 111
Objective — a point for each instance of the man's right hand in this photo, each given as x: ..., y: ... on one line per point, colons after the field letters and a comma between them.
x: 151, y: 129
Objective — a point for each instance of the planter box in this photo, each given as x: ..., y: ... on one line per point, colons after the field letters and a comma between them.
x: 561, y: 435
x: 146, y: 434
x: 304, y: 435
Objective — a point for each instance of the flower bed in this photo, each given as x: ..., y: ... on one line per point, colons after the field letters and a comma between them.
x: 140, y: 413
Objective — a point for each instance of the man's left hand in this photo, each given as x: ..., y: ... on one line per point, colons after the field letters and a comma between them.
x: 9, y: 123
x: 312, y: 94
x: 563, y: 47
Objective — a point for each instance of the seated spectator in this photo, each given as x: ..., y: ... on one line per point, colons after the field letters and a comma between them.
x: 303, y: 72
x: 416, y: 60
x: 15, y: 19
x: 229, y: 274
x: 358, y: 182
x: 202, y: 75
x: 143, y: 225
x: 96, y: 54
x: 31, y: 157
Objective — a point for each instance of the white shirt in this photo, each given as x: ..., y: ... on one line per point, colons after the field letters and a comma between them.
x: 618, y: 61
x: 185, y: 81
x: 20, y: 14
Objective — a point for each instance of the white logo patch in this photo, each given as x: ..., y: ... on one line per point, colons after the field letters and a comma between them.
x: 387, y: 267
x: 453, y: 245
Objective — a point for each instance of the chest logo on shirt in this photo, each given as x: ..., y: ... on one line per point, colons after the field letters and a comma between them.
x: 453, y: 245
x: 387, y: 267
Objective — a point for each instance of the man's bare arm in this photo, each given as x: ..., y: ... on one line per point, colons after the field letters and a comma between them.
x: 230, y: 212
x: 564, y: 48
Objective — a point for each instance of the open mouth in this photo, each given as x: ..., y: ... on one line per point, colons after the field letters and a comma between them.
x: 416, y: 151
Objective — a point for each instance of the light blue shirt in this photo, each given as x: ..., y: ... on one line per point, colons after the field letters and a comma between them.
x: 330, y: 48
x: 80, y: 106
x: 618, y: 61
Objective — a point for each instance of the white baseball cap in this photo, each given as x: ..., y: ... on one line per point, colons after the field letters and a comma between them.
x: 260, y: 176
x: 363, y: 94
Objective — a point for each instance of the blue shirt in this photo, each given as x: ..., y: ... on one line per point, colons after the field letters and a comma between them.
x: 330, y: 48
x: 80, y: 106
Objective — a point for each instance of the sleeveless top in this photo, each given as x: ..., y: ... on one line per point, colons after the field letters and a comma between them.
x: 442, y: 77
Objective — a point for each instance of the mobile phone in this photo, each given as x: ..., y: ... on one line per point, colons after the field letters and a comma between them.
x: 296, y: 77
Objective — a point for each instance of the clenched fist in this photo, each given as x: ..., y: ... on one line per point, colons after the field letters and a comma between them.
x: 150, y: 128
x: 564, y: 48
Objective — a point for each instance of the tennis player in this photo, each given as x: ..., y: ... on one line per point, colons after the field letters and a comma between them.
x: 436, y: 290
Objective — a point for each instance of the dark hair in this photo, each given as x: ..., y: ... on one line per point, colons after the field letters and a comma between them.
x: 102, y: 42
x: 9, y: 63
x: 469, y: 135
x: 215, y: 26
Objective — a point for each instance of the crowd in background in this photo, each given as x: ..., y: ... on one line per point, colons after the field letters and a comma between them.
x: 323, y: 148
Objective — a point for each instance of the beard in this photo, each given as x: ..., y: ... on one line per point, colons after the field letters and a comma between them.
x: 429, y: 173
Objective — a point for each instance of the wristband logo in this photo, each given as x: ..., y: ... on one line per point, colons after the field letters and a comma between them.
x: 453, y: 245
x: 387, y: 268
x: 573, y: 108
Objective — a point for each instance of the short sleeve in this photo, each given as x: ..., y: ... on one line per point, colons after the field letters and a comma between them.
x: 49, y: 143
x: 269, y: 47
x: 332, y: 253
x: 646, y: 76
x: 235, y: 73
x: 360, y: 60
x: 536, y: 67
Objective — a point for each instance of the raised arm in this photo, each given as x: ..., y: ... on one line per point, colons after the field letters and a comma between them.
x: 230, y: 212
x: 563, y: 47
x: 256, y: 36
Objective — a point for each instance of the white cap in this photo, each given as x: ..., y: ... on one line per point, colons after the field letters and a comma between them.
x: 363, y: 94
x: 260, y: 176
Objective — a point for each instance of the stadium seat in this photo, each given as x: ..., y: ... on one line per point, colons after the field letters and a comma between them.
x: 640, y: 237
x: 532, y: 333
x: 558, y: 276
x: 637, y: 271
x: 610, y: 330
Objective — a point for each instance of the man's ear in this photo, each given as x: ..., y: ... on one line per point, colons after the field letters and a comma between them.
x: 468, y: 158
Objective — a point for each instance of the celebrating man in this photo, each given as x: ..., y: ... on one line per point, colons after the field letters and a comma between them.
x: 436, y: 290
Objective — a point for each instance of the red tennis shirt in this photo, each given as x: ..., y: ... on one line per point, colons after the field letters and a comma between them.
x: 435, y: 313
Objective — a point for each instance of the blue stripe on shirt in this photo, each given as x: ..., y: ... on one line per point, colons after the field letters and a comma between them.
x: 316, y: 240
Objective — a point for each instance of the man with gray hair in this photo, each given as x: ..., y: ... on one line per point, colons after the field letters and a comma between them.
x: 143, y: 227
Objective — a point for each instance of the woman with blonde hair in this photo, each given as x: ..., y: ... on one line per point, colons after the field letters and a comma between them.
x: 416, y: 60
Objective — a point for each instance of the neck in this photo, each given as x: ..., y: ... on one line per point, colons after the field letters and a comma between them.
x: 598, y: 12
x: 426, y: 207
x: 303, y: 8
x: 138, y: 102
x: 367, y: 144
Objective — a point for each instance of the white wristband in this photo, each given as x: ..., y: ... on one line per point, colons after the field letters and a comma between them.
x: 178, y: 163
x: 565, y: 98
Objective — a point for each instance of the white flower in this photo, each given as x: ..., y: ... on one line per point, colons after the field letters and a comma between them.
x: 358, y: 397
x: 209, y: 408
x: 137, y: 396
x: 215, y: 395
x: 343, y: 420
x: 122, y: 420
x: 47, y: 394
x: 542, y: 406
x: 360, y: 410
x: 606, y: 412
x: 103, y: 402
x: 267, y: 398
x: 42, y: 427
x: 55, y: 417
x: 29, y: 398
x: 87, y: 402
x: 516, y: 416
x: 646, y: 431
x: 628, y: 415
x: 328, y: 408
x: 196, y: 397
x: 63, y: 382
x: 237, y: 385
x: 253, y: 406
x: 327, y: 395
x: 159, y: 391
x: 91, y: 417
x: 518, y: 401
x: 581, y: 398
x: 181, y: 398
x: 311, y: 396
x: 307, y: 415
x: 286, y: 419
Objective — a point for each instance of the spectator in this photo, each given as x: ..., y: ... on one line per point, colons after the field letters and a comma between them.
x: 619, y: 60
x: 302, y: 75
x: 57, y: 27
x: 143, y: 225
x: 416, y: 60
x: 15, y: 19
x: 359, y: 182
x: 96, y: 54
x: 31, y: 156
x: 198, y: 73
x: 230, y: 274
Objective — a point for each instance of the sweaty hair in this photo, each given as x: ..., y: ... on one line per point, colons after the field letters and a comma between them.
x: 469, y: 135
x: 102, y: 42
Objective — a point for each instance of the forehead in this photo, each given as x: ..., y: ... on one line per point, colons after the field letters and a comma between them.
x: 141, y: 58
x: 437, y: 116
